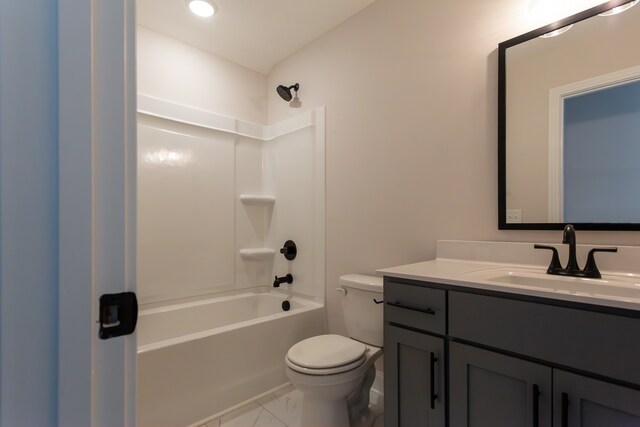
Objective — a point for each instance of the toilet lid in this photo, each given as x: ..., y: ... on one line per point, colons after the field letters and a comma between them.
x: 326, y: 351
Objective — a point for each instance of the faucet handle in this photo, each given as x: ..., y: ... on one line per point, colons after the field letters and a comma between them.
x: 590, y: 267
x: 554, y: 265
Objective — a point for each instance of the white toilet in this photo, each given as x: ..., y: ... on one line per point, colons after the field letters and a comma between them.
x: 335, y: 373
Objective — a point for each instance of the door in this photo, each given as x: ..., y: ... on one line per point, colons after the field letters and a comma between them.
x: 584, y: 402
x: 414, y: 383
x: 96, y: 230
x: 488, y: 389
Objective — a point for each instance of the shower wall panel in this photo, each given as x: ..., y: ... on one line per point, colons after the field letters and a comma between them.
x: 291, y: 166
x: 185, y: 210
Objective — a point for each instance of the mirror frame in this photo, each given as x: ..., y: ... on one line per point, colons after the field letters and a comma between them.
x: 502, y: 126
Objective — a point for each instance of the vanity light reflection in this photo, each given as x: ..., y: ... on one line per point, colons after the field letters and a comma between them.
x: 556, y: 32
x: 619, y: 9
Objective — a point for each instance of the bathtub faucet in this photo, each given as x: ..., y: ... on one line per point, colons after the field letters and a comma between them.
x: 284, y: 279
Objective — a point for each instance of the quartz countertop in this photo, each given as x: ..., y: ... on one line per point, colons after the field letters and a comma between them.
x: 460, y: 272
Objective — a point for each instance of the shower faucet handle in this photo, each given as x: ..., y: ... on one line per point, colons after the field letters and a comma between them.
x: 284, y: 279
x: 289, y: 250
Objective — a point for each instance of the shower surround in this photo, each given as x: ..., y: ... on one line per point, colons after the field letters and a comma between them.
x: 217, y: 199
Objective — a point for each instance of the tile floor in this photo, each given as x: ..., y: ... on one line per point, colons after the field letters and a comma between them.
x: 279, y: 409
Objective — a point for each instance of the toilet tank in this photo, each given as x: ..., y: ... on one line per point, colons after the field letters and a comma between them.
x: 362, y: 315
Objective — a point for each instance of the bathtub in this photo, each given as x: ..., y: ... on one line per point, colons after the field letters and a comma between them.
x: 199, y: 358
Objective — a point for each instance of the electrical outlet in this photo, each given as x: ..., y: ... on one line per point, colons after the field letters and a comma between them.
x: 514, y: 216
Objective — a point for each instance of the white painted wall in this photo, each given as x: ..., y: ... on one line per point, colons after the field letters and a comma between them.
x: 28, y: 213
x: 180, y: 73
x: 410, y: 89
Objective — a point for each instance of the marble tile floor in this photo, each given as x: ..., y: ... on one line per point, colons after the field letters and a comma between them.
x: 281, y: 408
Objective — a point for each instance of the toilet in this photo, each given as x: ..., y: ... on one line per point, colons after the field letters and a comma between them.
x: 335, y: 373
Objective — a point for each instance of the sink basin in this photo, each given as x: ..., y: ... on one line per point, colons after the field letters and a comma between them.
x: 610, y: 286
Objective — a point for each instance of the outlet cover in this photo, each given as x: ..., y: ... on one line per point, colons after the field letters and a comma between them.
x: 514, y: 216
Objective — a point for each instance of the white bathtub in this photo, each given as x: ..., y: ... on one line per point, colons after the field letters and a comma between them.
x: 197, y: 359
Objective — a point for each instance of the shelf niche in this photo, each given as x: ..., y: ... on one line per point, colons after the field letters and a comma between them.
x: 257, y: 200
x: 257, y: 254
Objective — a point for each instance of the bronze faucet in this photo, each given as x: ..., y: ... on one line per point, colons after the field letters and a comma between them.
x: 572, y: 269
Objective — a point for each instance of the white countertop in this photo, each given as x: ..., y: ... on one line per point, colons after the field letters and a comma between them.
x: 456, y: 272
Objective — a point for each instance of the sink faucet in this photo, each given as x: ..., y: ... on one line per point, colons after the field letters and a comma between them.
x: 569, y: 238
x: 572, y: 269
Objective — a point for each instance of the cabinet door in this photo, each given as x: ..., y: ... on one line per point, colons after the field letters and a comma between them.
x: 488, y: 389
x: 414, y: 379
x: 584, y: 402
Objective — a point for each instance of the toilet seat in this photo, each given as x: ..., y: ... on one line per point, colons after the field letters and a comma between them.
x: 326, y: 355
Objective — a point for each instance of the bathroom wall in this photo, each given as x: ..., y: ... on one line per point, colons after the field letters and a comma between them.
x: 410, y: 89
x: 180, y: 73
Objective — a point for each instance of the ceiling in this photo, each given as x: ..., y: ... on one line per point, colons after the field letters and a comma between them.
x: 257, y: 34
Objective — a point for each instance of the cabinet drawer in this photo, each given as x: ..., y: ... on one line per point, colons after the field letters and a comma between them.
x: 415, y: 306
x: 601, y: 343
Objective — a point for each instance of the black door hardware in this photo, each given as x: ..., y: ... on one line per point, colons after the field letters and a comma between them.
x: 536, y: 405
x: 289, y: 250
x: 432, y: 381
x: 118, y: 315
x: 378, y: 302
x: 565, y: 410
x: 284, y: 279
x: 413, y: 308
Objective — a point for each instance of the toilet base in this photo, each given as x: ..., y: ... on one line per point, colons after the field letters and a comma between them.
x: 365, y: 419
x: 321, y: 412
x: 341, y: 404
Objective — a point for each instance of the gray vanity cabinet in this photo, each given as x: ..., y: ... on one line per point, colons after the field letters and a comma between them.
x: 417, y: 382
x: 503, y: 360
x: 586, y: 402
x: 414, y: 356
x: 488, y: 389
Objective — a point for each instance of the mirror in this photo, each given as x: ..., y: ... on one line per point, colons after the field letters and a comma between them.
x: 569, y: 123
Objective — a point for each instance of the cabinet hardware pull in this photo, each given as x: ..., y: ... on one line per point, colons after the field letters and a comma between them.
x: 565, y: 410
x: 536, y: 405
x: 410, y: 307
x: 434, y: 396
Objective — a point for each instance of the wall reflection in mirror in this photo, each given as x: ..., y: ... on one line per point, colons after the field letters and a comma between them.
x: 570, y: 128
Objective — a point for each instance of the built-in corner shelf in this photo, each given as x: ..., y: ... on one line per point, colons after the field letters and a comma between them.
x: 257, y: 253
x: 255, y: 199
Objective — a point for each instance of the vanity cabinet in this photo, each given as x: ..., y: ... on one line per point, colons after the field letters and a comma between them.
x: 414, y: 357
x: 580, y: 401
x: 489, y: 389
x: 507, y: 359
x: 417, y: 385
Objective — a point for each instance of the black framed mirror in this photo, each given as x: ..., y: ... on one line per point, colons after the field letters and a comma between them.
x: 569, y: 123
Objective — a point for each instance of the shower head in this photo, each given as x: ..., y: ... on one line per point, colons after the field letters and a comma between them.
x: 285, y: 92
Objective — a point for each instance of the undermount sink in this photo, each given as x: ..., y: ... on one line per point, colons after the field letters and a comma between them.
x: 611, y: 286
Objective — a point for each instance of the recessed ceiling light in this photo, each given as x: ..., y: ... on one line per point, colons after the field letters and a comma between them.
x: 202, y: 8
x: 557, y: 32
x: 619, y: 9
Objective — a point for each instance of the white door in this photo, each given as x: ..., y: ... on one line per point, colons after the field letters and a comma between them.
x: 97, y: 158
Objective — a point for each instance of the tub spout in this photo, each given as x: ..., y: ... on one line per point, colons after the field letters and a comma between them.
x: 284, y: 279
